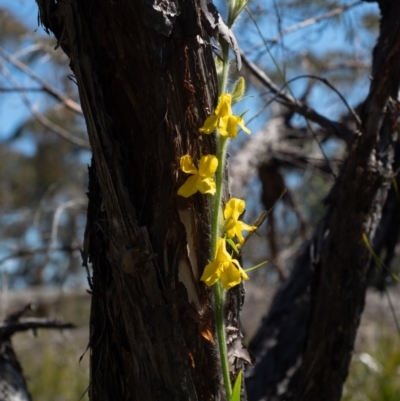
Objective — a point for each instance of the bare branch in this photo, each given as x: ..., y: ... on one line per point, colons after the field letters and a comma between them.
x: 33, y: 323
x: 339, y: 130
x: 22, y: 253
x: 44, y: 120
x: 69, y: 103
x: 14, y: 323
x: 19, y: 89
x: 57, y: 129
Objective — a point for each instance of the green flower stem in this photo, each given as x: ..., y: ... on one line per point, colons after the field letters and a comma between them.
x: 225, y: 67
x: 217, y: 202
x: 219, y: 291
x: 219, y: 297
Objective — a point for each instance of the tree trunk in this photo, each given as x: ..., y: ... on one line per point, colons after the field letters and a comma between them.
x: 147, y: 81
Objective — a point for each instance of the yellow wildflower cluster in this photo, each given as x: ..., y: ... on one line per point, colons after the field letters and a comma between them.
x: 223, y: 267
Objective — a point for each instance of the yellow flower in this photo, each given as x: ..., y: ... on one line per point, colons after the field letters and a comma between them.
x: 224, y: 120
x: 232, y: 226
x: 202, y: 178
x: 223, y: 268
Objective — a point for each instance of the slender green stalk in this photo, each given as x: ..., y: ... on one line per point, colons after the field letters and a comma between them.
x: 219, y: 291
x: 217, y: 201
x: 219, y: 297
x: 225, y: 67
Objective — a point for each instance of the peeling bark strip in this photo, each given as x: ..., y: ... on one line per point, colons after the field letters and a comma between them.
x: 339, y: 283
x: 146, y: 80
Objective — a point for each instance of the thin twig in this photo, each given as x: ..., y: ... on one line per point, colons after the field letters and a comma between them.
x: 56, y: 219
x: 339, y: 130
x: 29, y: 323
x: 329, y: 85
x: 15, y: 323
x: 43, y: 119
x: 22, y: 253
x: 57, y: 129
x: 69, y: 103
x: 20, y: 89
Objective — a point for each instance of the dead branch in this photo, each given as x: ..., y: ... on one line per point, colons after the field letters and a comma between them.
x: 339, y: 130
x: 69, y: 103
x: 63, y: 133
x: 15, y: 323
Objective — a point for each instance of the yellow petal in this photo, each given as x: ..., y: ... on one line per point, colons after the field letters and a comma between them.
x: 241, y: 226
x: 238, y: 232
x: 241, y: 271
x: 187, y: 165
x: 231, y: 126
x: 208, y: 165
x: 230, y: 277
x: 224, y: 105
x: 241, y: 124
x: 246, y: 227
x: 227, y: 126
x: 222, y: 126
x: 234, y: 208
x: 189, y: 187
x: 224, y: 268
x: 210, y: 125
x: 229, y: 228
x: 232, y: 274
x: 222, y: 254
x: 206, y: 186
x: 211, y: 273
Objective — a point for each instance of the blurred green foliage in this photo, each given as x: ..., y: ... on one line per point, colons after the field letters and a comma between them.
x: 375, y: 373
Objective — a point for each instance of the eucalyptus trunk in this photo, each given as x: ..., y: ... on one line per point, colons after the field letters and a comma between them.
x: 147, y: 82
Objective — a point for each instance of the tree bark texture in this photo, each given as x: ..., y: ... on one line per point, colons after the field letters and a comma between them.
x: 147, y: 81
x: 306, y: 341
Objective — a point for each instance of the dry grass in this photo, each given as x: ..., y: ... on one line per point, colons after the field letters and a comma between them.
x: 51, y: 360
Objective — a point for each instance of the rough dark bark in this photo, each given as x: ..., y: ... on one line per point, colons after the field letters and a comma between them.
x: 146, y: 80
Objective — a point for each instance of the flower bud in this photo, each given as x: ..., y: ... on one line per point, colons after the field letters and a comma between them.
x: 238, y: 90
